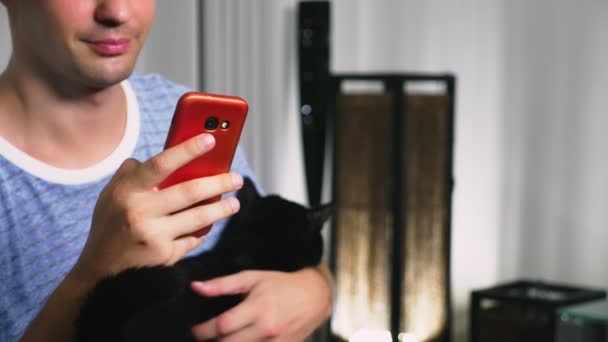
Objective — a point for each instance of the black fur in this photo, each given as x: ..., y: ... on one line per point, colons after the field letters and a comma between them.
x: 157, y: 304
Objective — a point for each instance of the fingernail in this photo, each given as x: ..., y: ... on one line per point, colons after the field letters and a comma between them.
x: 237, y: 180
x: 206, y: 141
x: 204, y: 288
x: 234, y: 203
x: 199, y: 285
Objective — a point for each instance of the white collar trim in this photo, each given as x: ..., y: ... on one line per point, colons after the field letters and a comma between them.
x: 89, y: 174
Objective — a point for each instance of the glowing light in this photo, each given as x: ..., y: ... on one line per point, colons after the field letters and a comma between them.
x: 371, y: 335
x: 407, y: 337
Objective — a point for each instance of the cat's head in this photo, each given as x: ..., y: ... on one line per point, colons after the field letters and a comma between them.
x: 274, y: 232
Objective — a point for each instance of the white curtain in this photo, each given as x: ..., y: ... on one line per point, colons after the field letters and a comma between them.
x: 249, y: 50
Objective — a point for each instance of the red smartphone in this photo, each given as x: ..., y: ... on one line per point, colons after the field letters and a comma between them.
x: 222, y: 116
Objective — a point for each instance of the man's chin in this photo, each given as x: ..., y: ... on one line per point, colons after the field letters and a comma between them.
x: 102, y: 72
x: 99, y: 79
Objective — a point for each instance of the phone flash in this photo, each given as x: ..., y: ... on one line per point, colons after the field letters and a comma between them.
x: 225, y: 124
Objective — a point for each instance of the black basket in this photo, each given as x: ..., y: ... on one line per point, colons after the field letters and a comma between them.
x: 522, y: 310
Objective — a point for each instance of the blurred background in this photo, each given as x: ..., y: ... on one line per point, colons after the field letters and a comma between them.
x: 530, y: 167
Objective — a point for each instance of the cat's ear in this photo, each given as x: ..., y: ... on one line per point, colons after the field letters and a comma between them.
x: 248, y: 193
x: 317, y: 216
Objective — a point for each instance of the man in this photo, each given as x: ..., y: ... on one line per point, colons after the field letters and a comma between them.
x: 75, y: 207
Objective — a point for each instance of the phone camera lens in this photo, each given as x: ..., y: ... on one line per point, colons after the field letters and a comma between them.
x: 211, y: 123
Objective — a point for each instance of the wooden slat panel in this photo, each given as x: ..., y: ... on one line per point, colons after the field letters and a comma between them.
x: 363, y: 176
x: 364, y: 183
x: 426, y: 261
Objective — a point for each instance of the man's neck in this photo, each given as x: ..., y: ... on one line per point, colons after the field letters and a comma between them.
x: 69, y: 132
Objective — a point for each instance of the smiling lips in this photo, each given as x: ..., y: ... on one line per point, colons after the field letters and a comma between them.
x: 110, y: 47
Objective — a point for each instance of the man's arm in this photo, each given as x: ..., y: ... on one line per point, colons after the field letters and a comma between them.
x: 133, y: 225
x: 55, y: 321
x: 329, y: 280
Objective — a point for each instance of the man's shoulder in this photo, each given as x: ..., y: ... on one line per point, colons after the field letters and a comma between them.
x: 155, y: 100
x: 154, y: 83
x: 155, y: 92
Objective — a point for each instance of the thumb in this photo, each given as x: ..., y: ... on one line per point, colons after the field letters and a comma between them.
x: 127, y: 165
x: 238, y: 283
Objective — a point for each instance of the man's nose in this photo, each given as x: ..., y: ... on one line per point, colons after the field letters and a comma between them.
x: 113, y: 12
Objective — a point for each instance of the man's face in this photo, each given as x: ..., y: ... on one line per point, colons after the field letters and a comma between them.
x: 94, y: 42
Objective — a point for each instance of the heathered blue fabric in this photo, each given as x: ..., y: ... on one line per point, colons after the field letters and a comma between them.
x: 43, y: 226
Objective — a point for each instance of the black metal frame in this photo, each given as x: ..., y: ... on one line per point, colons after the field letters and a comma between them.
x: 313, y: 72
x: 515, y: 292
x: 394, y: 83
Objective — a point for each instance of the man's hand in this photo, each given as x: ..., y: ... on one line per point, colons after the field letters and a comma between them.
x: 136, y: 224
x: 278, y: 306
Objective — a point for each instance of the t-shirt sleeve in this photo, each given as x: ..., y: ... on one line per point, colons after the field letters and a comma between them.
x: 240, y: 166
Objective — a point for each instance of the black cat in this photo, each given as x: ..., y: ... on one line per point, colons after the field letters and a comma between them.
x: 157, y: 304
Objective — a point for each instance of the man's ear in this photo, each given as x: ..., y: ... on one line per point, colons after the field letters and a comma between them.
x: 317, y: 216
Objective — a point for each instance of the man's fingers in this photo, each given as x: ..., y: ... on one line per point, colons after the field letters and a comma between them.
x: 191, y: 220
x: 156, y: 169
x: 186, y: 244
x: 205, y: 331
x: 208, y: 331
x: 239, y: 317
x: 233, y: 284
x: 186, y: 194
x: 250, y: 331
x: 236, y: 318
